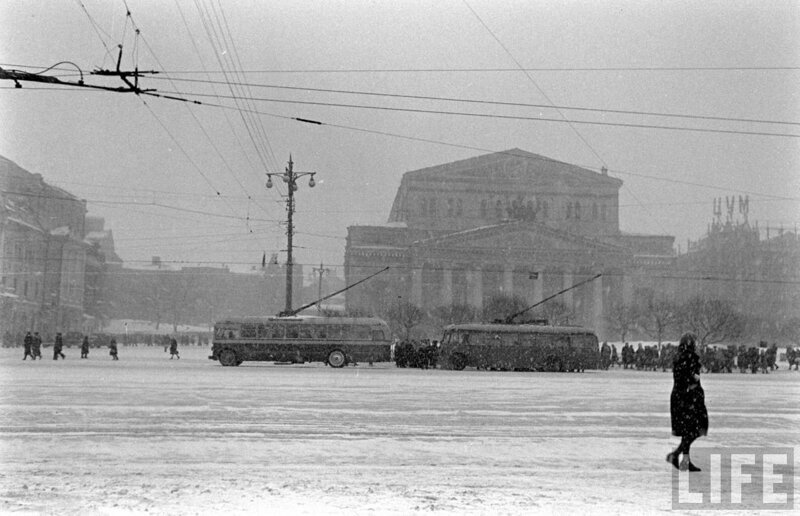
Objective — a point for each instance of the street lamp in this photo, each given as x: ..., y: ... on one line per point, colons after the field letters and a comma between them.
x: 290, y: 177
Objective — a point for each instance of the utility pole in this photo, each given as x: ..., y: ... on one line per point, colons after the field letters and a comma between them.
x: 321, y: 270
x: 290, y: 177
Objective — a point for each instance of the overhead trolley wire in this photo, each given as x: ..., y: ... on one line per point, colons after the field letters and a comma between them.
x: 535, y: 84
x: 497, y: 116
x: 496, y: 102
x: 512, y: 70
x: 129, y: 16
x: 202, y: 63
x: 249, y: 121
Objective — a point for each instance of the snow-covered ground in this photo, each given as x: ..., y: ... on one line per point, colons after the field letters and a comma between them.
x: 147, y: 434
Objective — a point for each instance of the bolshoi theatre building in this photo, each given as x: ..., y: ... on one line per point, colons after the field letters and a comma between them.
x: 510, y: 223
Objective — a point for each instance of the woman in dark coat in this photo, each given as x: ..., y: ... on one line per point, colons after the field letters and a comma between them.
x: 687, y: 403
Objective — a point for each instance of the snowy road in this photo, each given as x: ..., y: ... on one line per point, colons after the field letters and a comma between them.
x: 146, y: 434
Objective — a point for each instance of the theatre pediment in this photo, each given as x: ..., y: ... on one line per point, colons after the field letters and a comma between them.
x: 516, y: 237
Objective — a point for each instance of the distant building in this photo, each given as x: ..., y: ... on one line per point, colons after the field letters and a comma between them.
x: 509, y: 223
x: 756, y: 269
x: 42, y: 254
x: 167, y: 294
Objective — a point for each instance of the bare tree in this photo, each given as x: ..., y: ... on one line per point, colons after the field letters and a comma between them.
x: 405, y: 315
x: 181, y: 292
x: 502, y: 306
x: 711, y: 320
x: 555, y: 313
x: 657, y: 317
x: 622, y: 319
x: 455, y: 314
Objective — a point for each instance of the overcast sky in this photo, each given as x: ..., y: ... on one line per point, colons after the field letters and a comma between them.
x: 186, y: 182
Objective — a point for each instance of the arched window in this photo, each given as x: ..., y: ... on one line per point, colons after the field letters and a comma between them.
x: 483, y: 208
x: 498, y: 209
x: 577, y: 210
x: 458, y: 207
x: 423, y: 207
x: 569, y: 210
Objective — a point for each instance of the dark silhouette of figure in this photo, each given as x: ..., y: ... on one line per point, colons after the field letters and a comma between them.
x: 112, y: 349
x: 36, y: 346
x: 85, y: 347
x: 173, y: 349
x: 28, y: 343
x: 58, y: 347
x: 687, y: 403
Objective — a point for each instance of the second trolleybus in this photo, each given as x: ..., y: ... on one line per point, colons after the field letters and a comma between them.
x: 518, y: 347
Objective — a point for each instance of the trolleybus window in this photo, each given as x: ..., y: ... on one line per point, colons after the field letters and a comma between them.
x: 249, y: 331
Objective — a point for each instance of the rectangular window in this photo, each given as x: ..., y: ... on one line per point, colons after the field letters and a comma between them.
x: 292, y: 331
x: 359, y: 332
x: 335, y: 332
x: 377, y: 335
x: 249, y: 331
x: 276, y: 331
x: 305, y: 332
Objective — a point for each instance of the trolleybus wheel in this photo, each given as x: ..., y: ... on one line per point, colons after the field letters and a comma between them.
x: 336, y: 358
x: 228, y: 358
x: 458, y: 361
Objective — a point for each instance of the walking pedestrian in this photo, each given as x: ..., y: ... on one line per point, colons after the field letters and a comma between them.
x: 85, y: 347
x: 688, y: 412
x: 58, y: 346
x: 173, y: 349
x: 112, y: 349
x: 36, y: 346
x: 28, y: 343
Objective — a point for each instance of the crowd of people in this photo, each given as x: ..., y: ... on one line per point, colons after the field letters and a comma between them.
x: 714, y: 359
x: 419, y: 354
x: 32, y: 345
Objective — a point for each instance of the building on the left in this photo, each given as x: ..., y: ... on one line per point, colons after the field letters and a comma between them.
x: 44, y: 257
x: 59, y: 272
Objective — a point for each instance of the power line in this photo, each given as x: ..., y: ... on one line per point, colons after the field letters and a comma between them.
x: 486, y: 115
x: 511, y: 70
x: 493, y: 102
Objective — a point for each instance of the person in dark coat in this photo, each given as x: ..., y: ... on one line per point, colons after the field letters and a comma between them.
x: 85, y: 347
x: 173, y: 349
x: 112, y: 349
x: 58, y: 347
x: 687, y: 403
x: 28, y: 342
x: 37, y: 346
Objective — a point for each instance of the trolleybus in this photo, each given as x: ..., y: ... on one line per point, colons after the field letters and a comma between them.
x: 336, y: 341
x: 518, y: 347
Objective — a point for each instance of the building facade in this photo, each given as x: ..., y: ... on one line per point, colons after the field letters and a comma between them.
x: 42, y: 254
x: 756, y: 269
x: 165, y: 294
x: 510, y: 223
